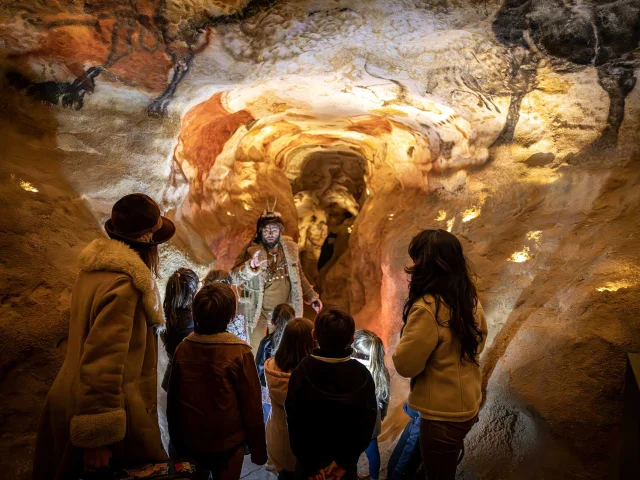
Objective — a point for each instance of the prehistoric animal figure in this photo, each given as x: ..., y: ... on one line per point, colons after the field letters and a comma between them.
x: 140, y: 24
x: 580, y: 33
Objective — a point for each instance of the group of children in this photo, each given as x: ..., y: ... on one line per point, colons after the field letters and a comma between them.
x: 310, y: 402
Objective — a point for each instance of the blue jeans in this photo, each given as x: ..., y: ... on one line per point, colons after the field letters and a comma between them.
x: 373, y: 455
x: 266, y: 409
x: 406, y: 457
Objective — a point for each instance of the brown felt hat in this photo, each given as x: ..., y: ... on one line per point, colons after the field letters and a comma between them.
x: 136, y: 219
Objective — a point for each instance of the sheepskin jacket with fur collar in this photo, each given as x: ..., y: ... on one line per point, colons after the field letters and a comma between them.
x: 114, y: 256
x: 106, y: 391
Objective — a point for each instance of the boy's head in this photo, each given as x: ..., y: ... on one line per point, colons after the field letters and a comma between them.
x: 213, y: 308
x: 334, y: 329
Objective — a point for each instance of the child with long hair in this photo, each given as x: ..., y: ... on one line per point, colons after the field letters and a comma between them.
x: 368, y: 349
x: 443, y: 335
x: 295, y: 345
x: 237, y: 326
x: 180, y: 290
x: 282, y: 315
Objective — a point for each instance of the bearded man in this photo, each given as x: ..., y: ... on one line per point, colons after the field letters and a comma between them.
x: 269, y: 272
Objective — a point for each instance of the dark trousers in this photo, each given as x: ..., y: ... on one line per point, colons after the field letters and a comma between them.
x: 285, y: 475
x: 441, y: 444
x: 223, y: 466
x: 373, y: 456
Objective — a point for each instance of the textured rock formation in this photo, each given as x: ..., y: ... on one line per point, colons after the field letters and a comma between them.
x: 391, y: 117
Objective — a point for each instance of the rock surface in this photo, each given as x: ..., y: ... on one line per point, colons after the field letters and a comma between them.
x: 500, y: 125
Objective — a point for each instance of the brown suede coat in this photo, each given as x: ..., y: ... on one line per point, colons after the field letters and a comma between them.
x: 214, y: 402
x: 106, y: 391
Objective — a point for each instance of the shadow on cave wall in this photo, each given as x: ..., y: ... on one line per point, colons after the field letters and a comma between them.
x: 43, y: 232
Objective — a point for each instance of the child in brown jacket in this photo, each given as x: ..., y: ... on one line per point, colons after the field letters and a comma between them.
x: 214, y: 403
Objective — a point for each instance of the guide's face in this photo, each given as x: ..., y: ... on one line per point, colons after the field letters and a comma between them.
x: 271, y: 234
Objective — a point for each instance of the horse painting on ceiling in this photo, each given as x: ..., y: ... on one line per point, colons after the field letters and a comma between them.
x: 130, y: 41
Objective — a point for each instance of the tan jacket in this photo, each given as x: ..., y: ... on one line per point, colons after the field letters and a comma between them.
x: 214, y: 402
x: 106, y: 391
x: 278, y: 444
x: 443, y: 388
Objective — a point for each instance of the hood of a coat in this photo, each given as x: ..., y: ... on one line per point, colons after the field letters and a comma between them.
x: 104, y: 254
x: 277, y: 380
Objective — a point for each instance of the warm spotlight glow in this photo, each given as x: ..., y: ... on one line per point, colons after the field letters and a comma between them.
x: 230, y: 214
x: 534, y: 235
x: 27, y: 186
x: 442, y: 216
x: 267, y: 130
x: 614, y: 286
x: 520, y: 257
x: 350, y: 229
x: 368, y: 192
x: 247, y: 207
x: 470, y: 214
x: 450, y: 224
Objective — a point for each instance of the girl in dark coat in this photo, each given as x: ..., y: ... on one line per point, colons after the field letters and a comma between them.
x: 181, y: 288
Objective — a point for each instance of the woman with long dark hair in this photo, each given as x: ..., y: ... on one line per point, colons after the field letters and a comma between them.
x: 443, y: 335
x: 296, y: 344
x: 181, y: 288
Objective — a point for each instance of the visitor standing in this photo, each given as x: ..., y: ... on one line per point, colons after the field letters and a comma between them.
x: 444, y: 333
x: 368, y: 349
x: 101, y: 410
x: 331, y: 402
x: 282, y: 314
x: 296, y: 344
x: 214, y: 401
x: 179, y: 292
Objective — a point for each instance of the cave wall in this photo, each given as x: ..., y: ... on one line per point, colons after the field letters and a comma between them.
x: 490, y: 119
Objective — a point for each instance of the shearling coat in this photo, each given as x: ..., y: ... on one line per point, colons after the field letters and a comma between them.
x: 213, y: 403
x: 106, y: 392
x: 442, y: 387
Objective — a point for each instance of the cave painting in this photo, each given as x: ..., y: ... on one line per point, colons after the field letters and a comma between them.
x: 136, y: 43
x: 571, y: 35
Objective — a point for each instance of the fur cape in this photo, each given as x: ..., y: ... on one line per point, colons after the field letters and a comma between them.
x: 254, y: 282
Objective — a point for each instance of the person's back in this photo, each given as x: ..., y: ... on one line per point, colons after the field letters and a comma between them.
x: 180, y: 290
x: 444, y: 333
x: 331, y: 404
x: 214, y: 401
x: 296, y: 344
x: 101, y: 410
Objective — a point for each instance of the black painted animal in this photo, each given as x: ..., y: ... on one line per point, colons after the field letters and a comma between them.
x: 182, y: 42
x: 605, y: 35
